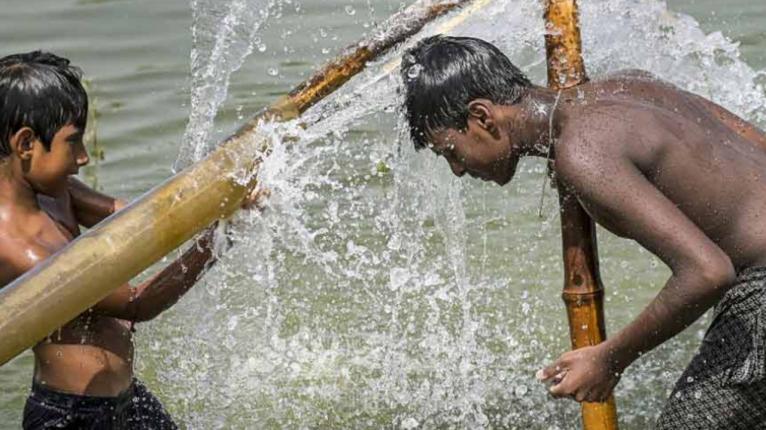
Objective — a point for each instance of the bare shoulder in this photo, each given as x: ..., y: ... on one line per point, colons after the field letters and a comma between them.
x: 635, y: 79
x: 599, y: 142
x: 634, y: 74
x: 18, y: 253
x: 598, y: 129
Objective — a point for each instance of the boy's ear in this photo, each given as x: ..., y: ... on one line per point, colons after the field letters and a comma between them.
x: 22, y: 143
x: 481, y: 111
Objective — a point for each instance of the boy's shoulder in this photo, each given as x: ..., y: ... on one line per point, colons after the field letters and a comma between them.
x: 633, y: 74
x: 598, y: 139
x: 18, y: 253
x: 592, y: 128
x: 26, y: 240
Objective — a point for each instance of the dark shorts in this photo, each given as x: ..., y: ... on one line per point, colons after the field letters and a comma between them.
x: 724, y: 386
x: 136, y: 408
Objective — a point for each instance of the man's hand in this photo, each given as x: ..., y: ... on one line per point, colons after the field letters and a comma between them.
x: 585, y: 375
x: 257, y: 198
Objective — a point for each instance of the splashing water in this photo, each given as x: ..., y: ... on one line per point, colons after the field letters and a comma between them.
x: 377, y: 291
x: 224, y: 34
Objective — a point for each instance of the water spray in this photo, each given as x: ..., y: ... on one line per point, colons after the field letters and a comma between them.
x: 75, y: 279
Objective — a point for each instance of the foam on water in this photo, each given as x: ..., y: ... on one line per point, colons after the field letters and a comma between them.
x: 377, y: 291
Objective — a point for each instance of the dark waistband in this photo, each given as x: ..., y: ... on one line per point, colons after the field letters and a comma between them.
x: 58, y: 397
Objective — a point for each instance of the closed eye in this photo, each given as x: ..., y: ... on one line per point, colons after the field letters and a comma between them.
x: 446, y: 150
x: 75, y: 138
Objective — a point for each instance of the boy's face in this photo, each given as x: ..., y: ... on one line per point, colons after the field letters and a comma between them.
x: 477, y: 152
x: 47, y: 170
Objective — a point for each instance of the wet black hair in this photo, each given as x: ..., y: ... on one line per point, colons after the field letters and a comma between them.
x: 41, y: 91
x: 443, y: 74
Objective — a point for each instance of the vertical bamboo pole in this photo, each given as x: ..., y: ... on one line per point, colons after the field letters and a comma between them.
x: 583, y: 290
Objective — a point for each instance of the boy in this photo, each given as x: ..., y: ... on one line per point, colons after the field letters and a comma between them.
x: 84, y: 371
x: 675, y: 172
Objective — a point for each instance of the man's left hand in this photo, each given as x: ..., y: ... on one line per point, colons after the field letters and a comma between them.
x: 257, y: 198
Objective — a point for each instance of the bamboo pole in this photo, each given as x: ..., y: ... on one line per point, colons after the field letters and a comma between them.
x: 583, y: 291
x: 120, y: 247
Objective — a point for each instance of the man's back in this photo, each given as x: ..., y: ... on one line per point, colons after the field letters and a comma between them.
x: 705, y: 160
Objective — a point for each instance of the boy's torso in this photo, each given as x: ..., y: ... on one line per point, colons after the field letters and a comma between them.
x: 706, y: 161
x: 90, y: 355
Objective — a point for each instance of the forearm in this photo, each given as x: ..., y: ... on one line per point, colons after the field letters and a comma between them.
x: 165, y: 288
x: 681, y: 302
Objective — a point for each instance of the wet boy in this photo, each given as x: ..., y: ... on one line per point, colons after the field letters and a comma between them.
x: 648, y: 161
x: 84, y: 371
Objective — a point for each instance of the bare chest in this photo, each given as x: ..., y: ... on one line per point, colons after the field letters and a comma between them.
x: 30, y: 238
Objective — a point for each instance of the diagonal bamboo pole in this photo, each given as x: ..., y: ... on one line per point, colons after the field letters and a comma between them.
x: 583, y: 290
x: 122, y: 246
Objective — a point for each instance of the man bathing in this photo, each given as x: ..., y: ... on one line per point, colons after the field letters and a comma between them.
x: 84, y: 370
x: 648, y: 161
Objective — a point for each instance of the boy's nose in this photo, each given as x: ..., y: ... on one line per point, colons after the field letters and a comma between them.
x: 81, y: 155
x: 82, y: 160
x: 457, y: 168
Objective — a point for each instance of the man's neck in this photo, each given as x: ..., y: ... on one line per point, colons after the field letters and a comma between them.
x: 537, y: 122
x: 15, y: 191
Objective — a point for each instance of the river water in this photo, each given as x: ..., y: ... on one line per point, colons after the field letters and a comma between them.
x: 376, y: 291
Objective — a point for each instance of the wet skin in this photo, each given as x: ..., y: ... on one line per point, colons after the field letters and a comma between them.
x: 675, y: 172
x: 41, y: 208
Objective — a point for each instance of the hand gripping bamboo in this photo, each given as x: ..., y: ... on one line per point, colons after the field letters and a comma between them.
x: 122, y: 246
x: 583, y: 290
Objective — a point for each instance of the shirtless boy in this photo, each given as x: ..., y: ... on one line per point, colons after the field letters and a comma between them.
x: 648, y: 161
x: 84, y: 371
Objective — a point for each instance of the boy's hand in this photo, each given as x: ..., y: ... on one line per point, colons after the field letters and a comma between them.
x: 585, y: 375
x: 257, y: 198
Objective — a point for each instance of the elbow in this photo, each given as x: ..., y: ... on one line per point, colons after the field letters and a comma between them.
x: 713, y: 276
x: 140, y: 316
x: 143, y: 313
x: 721, y: 274
x: 118, y: 205
x: 717, y: 274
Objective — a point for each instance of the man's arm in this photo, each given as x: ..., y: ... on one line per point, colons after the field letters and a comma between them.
x: 701, y: 271
x: 90, y: 206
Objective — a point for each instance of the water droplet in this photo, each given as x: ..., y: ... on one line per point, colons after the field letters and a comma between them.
x: 410, y: 423
x: 520, y: 390
x: 350, y: 10
x: 273, y: 71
